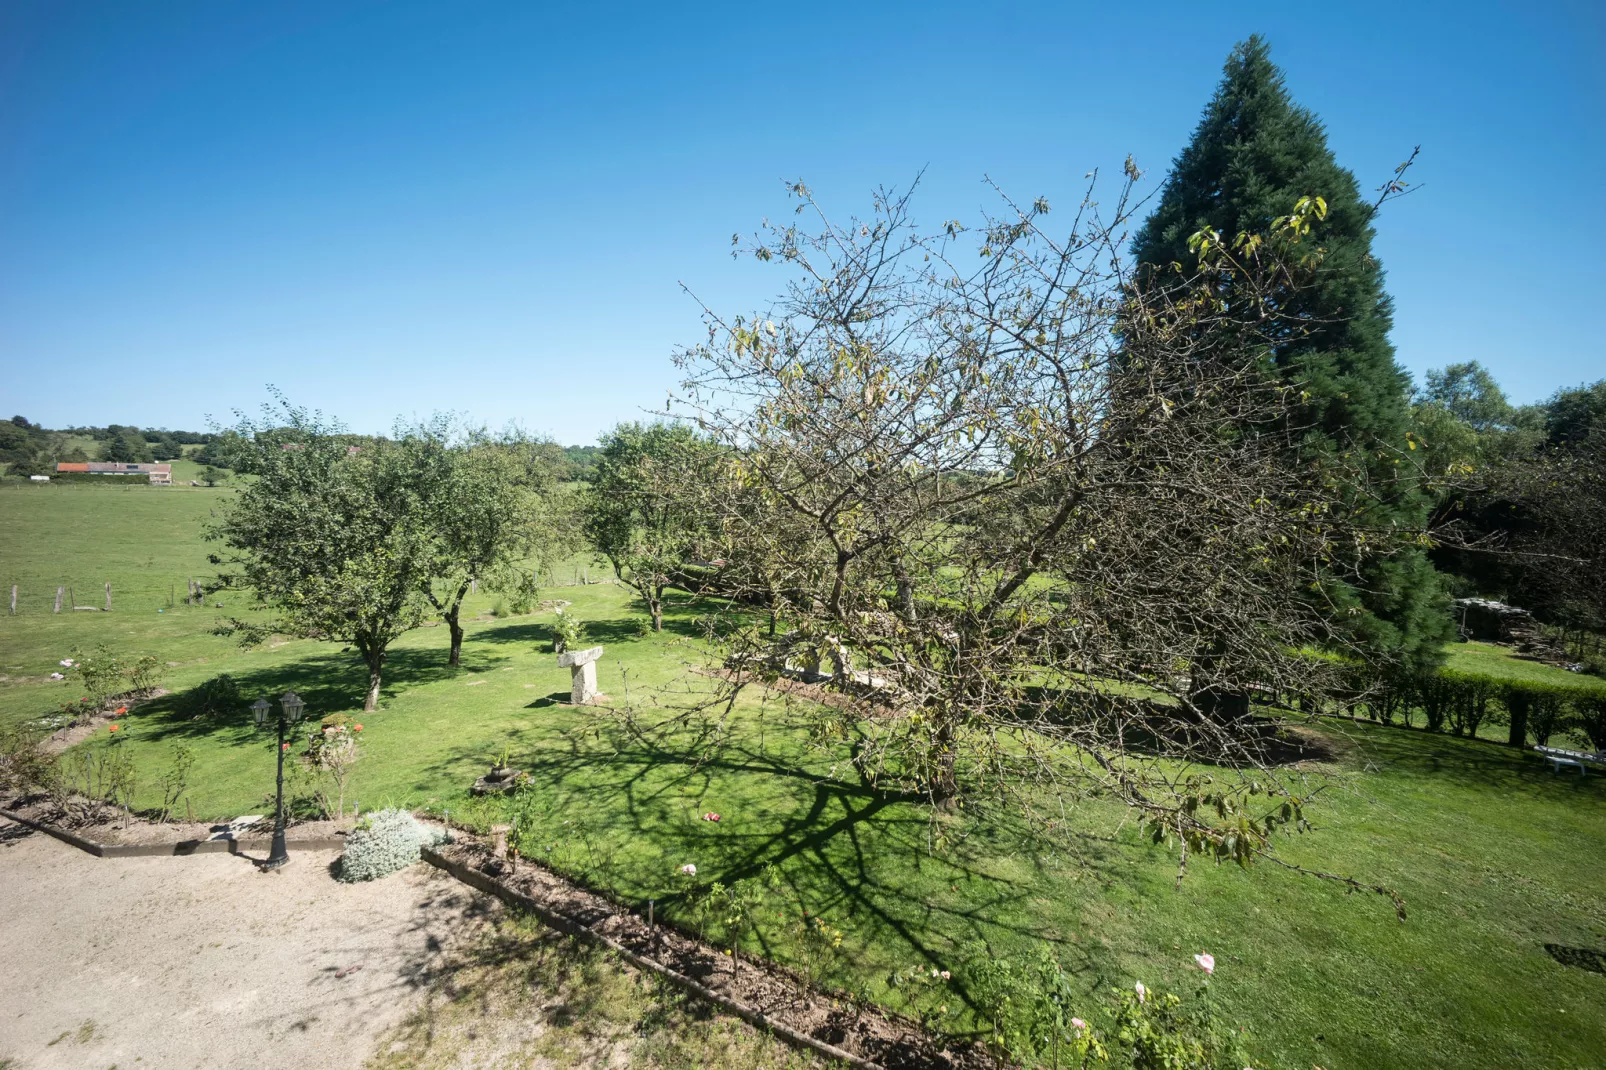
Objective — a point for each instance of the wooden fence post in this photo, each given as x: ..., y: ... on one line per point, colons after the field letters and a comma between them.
x: 58, y: 598
x: 108, y: 598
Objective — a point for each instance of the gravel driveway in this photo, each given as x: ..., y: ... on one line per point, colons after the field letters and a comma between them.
x: 204, y: 961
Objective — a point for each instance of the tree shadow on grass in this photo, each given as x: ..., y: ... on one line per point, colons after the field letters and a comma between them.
x: 616, y: 630
x: 329, y: 682
x: 623, y: 811
x: 1468, y: 762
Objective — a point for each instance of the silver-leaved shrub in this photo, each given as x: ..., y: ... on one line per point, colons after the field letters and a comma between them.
x: 382, y: 843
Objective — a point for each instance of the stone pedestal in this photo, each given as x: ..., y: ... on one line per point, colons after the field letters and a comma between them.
x: 811, y: 667
x: 582, y: 665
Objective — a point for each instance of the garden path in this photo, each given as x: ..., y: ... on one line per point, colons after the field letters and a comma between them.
x: 206, y: 962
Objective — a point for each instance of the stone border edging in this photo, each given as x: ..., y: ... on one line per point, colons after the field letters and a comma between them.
x: 160, y: 850
x: 491, y: 886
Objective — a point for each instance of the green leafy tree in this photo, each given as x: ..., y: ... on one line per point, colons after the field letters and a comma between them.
x: 640, y: 510
x: 1570, y: 415
x: 337, y: 541
x: 1462, y: 421
x: 486, y: 498
x: 1253, y: 154
x: 126, y: 446
x: 15, y: 443
x: 165, y: 448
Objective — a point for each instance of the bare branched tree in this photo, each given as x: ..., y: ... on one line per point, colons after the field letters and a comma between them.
x: 1041, y: 527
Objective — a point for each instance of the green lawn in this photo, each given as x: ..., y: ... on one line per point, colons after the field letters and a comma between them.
x: 1492, y: 660
x: 1495, y: 856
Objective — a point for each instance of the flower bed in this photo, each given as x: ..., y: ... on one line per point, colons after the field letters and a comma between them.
x: 765, y: 994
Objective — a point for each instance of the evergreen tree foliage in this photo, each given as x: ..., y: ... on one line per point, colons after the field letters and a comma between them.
x: 1253, y: 155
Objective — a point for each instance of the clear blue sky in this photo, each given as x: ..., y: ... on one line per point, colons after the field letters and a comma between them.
x: 392, y: 208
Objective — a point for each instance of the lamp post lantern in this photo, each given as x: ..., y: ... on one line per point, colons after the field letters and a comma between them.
x: 290, y: 708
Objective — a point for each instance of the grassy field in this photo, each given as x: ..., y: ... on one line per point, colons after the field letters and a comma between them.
x: 1495, y: 856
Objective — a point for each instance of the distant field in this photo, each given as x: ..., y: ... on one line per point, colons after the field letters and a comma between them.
x: 146, y: 542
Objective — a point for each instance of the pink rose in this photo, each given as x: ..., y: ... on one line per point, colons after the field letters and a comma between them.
x: 1207, y: 962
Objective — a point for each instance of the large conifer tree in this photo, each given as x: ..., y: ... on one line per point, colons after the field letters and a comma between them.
x: 1253, y: 155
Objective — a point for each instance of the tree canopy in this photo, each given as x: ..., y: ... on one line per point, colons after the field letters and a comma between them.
x: 641, y: 509
x: 335, y: 541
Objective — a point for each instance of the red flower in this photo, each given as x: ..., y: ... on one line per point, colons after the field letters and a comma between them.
x: 122, y: 709
x: 356, y: 728
x: 284, y: 746
x: 113, y: 727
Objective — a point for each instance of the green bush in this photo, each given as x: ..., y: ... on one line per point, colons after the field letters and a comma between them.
x: 567, y: 631
x: 25, y: 766
x: 382, y: 843
x: 108, y: 676
x: 218, y: 697
x: 1591, y: 719
x: 1029, y: 1012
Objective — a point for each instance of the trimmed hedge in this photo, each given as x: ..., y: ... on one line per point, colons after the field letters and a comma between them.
x: 1460, y: 703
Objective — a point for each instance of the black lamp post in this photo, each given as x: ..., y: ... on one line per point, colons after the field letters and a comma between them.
x: 290, y: 707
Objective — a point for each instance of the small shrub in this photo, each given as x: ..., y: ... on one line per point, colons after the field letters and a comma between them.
x: 820, y: 947
x: 567, y: 631
x: 24, y: 764
x: 94, y: 774
x: 107, y: 675
x: 643, y: 627
x: 382, y: 843
x: 1029, y: 1011
x: 332, y: 749
x: 1159, y: 1033
x: 734, y: 908
x: 218, y: 697
x: 176, y: 781
x: 1591, y: 721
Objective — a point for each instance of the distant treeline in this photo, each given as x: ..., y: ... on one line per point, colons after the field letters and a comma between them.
x: 27, y: 448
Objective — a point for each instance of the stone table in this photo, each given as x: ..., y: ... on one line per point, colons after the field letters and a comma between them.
x: 582, y: 665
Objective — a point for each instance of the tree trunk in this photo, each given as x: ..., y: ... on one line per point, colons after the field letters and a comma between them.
x: 456, y: 627
x: 906, y: 590
x: 657, y: 607
x: 1517, y: 707
x: 945, y: 780
x: 1213, y: 701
